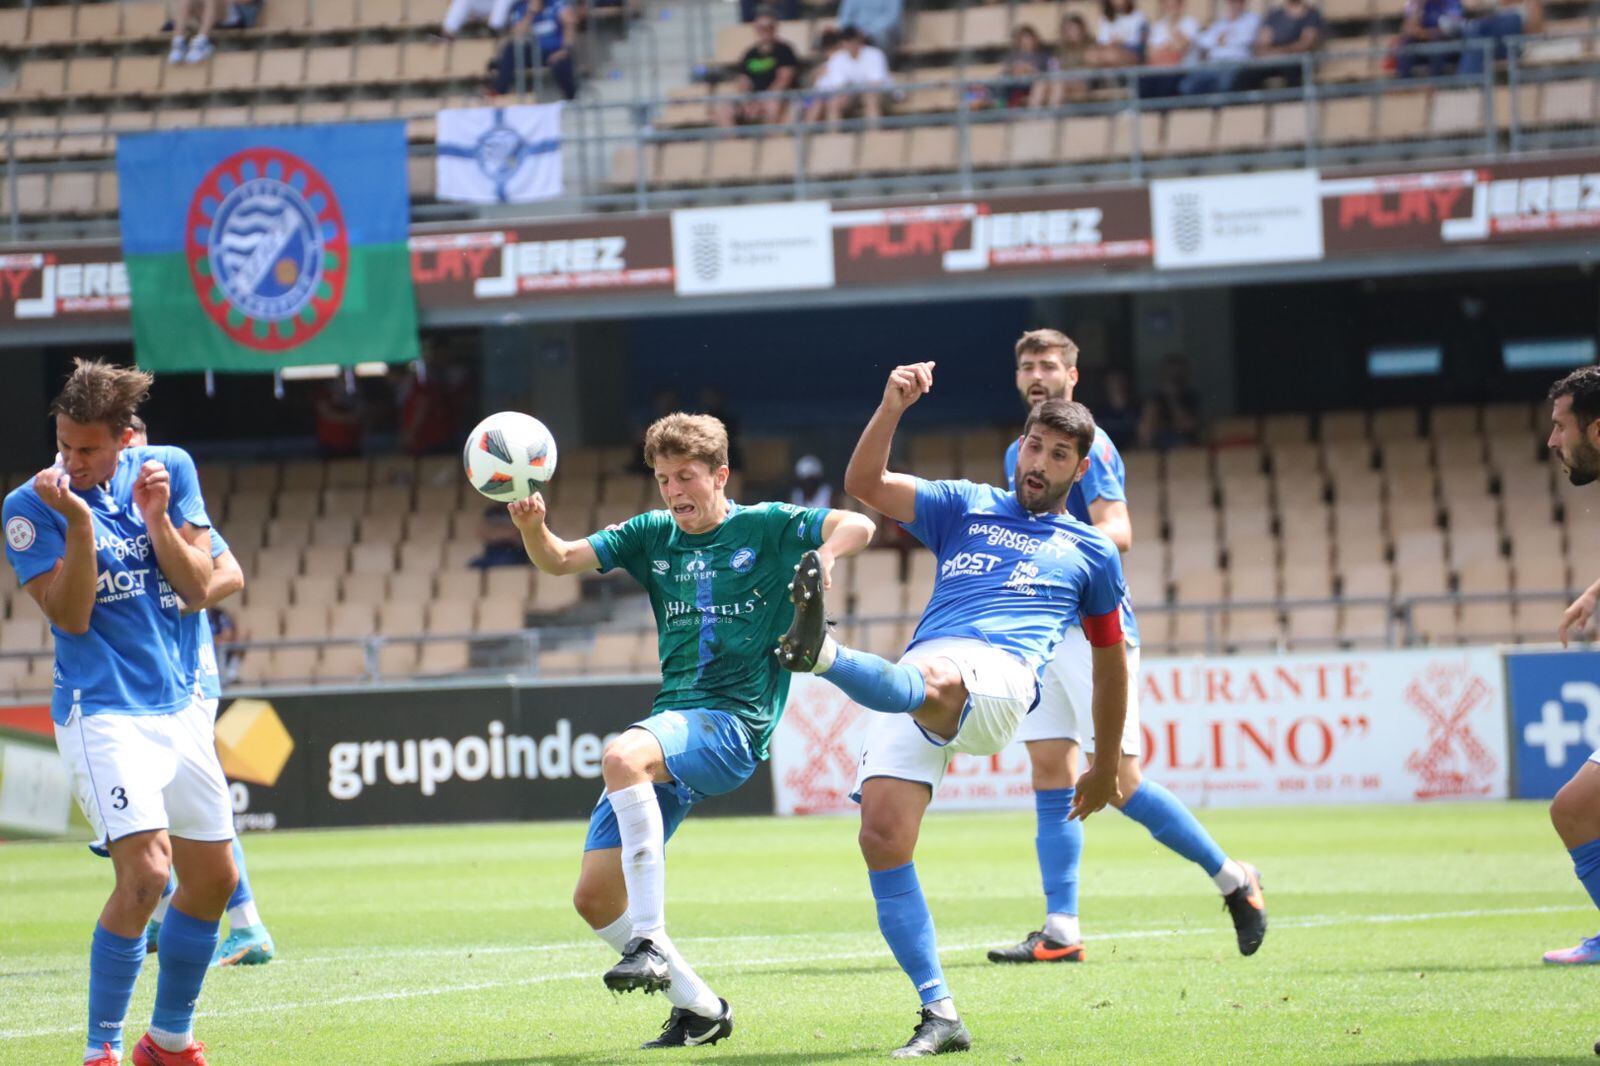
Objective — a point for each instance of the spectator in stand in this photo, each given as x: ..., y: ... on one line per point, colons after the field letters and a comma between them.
x: 1172, y: 415
x: 854, y: 77
x: 750, y: 10
x: 545, y: 36
x: 769, y: 65
x: 1293, y: 28
x: 242, y: 16
x: 1120, y: 40
x: 1429, y: 22
x: 497, y: 13
x: 502, y: 542
x: 878, y: 19
x: 1117, y: 412
x: 1072, y: 53
x: 428, y: 407
x: 226, y: 636
x: 1510, y: 18
x: 809, y: 488
x: 187, y: 17
x: 339, y: 421
x: 1171, y: 39
x: 1024, y: 67
x: 1229, y: 39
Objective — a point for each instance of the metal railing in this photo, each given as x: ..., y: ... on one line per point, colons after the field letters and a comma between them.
x: 596, y: 130
x: 521, y: 653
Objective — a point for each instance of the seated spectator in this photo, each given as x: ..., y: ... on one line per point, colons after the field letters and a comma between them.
x: 1511, y: 18
x: 1120, y: 40
x: 339, y: 421
x: 188, y: 17
x: 497, y: 13
x: 1172, y: 415
x: 1171, y: 39
x: 769, y: 65
x: 1117, y: 412
x: 878, y: 19
x: 1428, y: 22
x: 1072, y: 53
x: 544, y: 35
x: 502, y: 542
x: 809, y: 488
x: 1292, y: 28
x: 428, y: 406
x: 750, y: 10
x: 1021, y: 81
x: 227, y: 636
x: 853, y: 71
x: 242, y: 16
x: 812, y: 101
x: 1229, y: 38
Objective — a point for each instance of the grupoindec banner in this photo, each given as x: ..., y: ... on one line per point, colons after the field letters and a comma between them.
x: 1381, y: 727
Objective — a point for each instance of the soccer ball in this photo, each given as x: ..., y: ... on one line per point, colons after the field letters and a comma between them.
x: 509, y: 456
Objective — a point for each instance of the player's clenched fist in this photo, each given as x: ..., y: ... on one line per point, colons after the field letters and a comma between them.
x: 54, y: 487
x: 152, y: 490
x: 527, y: 514
x: 907, y: 384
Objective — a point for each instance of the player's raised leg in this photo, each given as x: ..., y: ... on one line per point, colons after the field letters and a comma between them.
x: 1575, y: 813
x: 248, y: 942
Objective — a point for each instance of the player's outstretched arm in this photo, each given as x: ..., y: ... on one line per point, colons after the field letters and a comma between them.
x: 1098, y: 785
x: 868, y: 477
x: 843, y: 534
x: 65, y: 593
x: 549, y: 553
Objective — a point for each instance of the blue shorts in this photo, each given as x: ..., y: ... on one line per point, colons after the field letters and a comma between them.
x: 707, y: 753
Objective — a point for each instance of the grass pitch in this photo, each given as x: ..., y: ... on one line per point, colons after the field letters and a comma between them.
x: 1398, y: 935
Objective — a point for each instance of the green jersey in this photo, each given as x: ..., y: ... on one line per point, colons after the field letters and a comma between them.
x: 721, y: 601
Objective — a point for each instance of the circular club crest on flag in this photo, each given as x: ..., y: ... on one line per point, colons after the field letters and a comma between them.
x: 267, y: 249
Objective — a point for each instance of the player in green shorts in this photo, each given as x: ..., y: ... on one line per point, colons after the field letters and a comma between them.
x: 718, y: 576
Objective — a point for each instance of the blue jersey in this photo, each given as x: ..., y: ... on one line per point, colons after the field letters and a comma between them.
x: 199, y: 649
x: 1106, y: 479
x: 1014, y: 579
x: 131, y: 659
x: 547, y: 27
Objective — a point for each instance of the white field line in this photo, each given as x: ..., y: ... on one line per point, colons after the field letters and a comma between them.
x: 1309, y: 922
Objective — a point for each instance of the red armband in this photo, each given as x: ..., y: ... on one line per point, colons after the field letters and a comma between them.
x: 1104, y: 631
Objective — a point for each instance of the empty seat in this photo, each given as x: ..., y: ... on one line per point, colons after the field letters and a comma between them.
x: 1345, y: 120
x: 1454, y: 112
x: 831, y: 155
x: 1403, y: 116
x: 1084, y: 140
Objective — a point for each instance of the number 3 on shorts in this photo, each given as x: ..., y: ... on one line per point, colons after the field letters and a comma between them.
x: 119, y: 797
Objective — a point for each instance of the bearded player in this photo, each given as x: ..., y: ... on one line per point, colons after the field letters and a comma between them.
x: 1575, y: 812
x: 109, y: 542
x: 717, y: 574
x: 247, y: 943
x: 1047, y: 368
x: 1015, y: 571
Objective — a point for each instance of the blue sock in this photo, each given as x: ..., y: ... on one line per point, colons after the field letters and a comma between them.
x: 1060, y: 846
x: 876, y: 683
x: 1170, y: 822
x: 1586, y: 864
x: 907, y: 925
x: 184, y: 947
x: 114, y: 963
x: 241, y: 893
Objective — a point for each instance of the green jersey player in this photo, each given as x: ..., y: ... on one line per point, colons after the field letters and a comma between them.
x: 718, y: 576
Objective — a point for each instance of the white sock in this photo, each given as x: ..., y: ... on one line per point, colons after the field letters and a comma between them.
x: 161, y: 907
x: 173, y: 1042
x: 943, y: 1008
x: 644, y: 869
x: 243, y: 916
x: 1062, y: 928
x: 618, y: 933
x: 687, y: 990
x: 825, y: 657
x: 1230, y: 878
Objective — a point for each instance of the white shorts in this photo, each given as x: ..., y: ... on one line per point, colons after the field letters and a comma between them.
x: 497, y: 13
x: 133, y: 773
x: 1000, y: 689
x: 1065, y: 710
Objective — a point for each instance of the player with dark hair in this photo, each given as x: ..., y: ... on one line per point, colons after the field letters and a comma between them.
x: 1015, y: 571
x: 1047, y: 368
x: 109, y: 542
x: 248, y: 943
x: 716, y: 574
x: 1575, y: 812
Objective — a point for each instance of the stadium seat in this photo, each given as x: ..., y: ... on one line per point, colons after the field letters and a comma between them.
x: 1364, y: 625
x: 444, y: 657
x: 1456, y: 112
x: 1345, y: 120
x: 1434, y: 623
x: 1313, y: 626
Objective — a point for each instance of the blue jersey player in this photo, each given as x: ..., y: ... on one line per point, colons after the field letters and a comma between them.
x: 106, y: 542
x: 248, y: 942
x: 1015, y: 572
x: 1047, y: 368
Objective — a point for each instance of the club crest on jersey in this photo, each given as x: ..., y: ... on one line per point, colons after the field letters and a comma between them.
x: 743, y: 560
x: 267, y: 250
x: 20, y: 534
